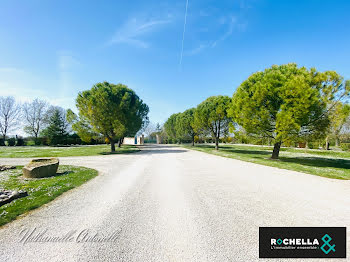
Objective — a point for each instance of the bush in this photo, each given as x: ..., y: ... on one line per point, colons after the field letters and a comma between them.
x: 44, y: 141
x: 73, y: 139
x: 39, y: 142
x: 30, y: 143
x: 310, y: 145
x: 20, y: 141
x: 2, y: 142
x: 345, y: 146
x: 11, y: 141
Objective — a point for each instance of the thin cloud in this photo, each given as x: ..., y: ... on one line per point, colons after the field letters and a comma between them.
x: 133, y: 29
x: 232, y: 23
x: 196, y: 50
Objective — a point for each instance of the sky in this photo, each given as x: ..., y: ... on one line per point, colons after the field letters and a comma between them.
x: 54, y: 49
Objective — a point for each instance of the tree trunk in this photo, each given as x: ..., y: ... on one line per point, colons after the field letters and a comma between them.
x: 327, y: 143
x: 276, y: 150
x: 192, y: 140
x: 337, y: 141
x: 216, y: 143
x: 112, y: 145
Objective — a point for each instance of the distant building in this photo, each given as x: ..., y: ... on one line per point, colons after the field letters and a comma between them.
x: 159, y: 139
x: 137, y: 140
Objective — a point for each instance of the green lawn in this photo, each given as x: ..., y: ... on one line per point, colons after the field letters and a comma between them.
x: 40, y: 191
x: 312, y: 161
x: 46, y: 151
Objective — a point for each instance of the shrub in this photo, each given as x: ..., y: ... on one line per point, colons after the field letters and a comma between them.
x: 310, y: 145
x: 11, y: 141
x: 44, y: 141
x: 345, y: 146
x: 2, y: 142
x: 20, y: 141
x: 30, y: 143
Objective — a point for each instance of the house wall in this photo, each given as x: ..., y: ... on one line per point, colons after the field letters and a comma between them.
x: 131, y: 140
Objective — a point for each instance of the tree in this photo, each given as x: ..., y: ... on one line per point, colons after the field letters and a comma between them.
x: 57, y: 126
x: 211, y: 117
x: 170, y: 127
x: 286, y: 102
x: 148, y: 129
x: 82, y: 127
x: 115, y: 111
x: 339, y: 118
x: 158, y: 128
x: 185, y: 123
x: 35, y: 114
x: 9, y: 113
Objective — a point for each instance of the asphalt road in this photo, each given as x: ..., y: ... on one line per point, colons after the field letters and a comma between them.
x: 172, y: 204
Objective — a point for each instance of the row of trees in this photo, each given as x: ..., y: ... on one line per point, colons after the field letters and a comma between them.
x: 105, y: 111
x: 209, y: 118
x: 38, y: 119
x: 282, y: 104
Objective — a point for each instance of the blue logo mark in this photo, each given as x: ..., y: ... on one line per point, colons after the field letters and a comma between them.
x: 326, y: 239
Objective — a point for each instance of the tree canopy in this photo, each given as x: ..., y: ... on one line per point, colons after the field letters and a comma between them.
x: 285, y: 102
x: 57, y: 128
x: 115, y: 111
x: 211, y: 117
x: 82, y: 127
x: 170, y: 127
x: 340, y: 118
x: 184, y: 125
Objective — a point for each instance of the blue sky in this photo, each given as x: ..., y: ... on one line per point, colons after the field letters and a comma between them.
x: 54, y: 49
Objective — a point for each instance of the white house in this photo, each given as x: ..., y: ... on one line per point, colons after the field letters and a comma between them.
x: 137, y: 140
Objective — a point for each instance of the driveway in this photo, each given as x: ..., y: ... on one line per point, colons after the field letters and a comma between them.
x: 172, y: 204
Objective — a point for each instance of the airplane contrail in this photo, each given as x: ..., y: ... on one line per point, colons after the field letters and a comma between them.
x: 183, y: 35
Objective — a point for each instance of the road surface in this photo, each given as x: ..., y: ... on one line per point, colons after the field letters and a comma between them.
x: 172, y: 204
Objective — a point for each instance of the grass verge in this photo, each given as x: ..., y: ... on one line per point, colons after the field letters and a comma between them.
x: 316, y: 162
x: 46, y: 151
x: 40, y: 191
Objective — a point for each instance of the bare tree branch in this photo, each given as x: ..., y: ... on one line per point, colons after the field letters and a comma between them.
x: 35, y: 113
x: 9, y: 114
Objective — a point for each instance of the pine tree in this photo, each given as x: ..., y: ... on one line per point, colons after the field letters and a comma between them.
x: 57, y: 129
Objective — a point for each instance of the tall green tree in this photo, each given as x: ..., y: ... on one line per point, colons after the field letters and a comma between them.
x: 57, y: 128
x: 340, y: 116
x: 170, y: 127
x: 185, y: 125
x: 287, y: 102
x: 115, y: 111
x: 211, y: 117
